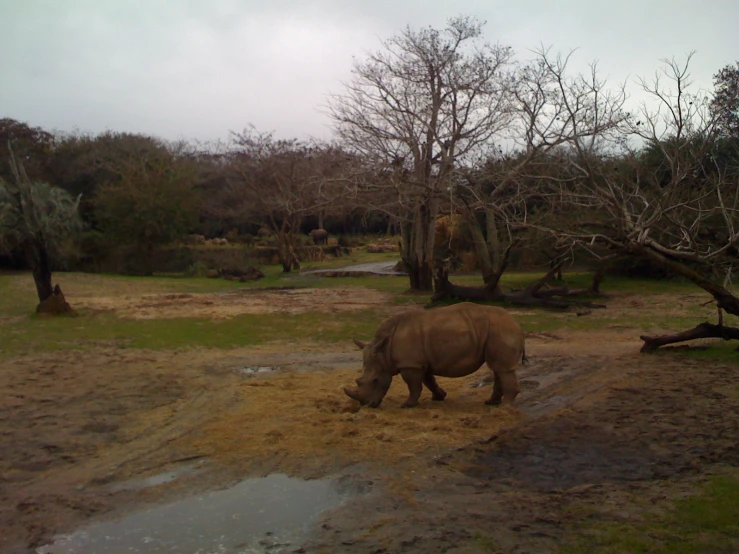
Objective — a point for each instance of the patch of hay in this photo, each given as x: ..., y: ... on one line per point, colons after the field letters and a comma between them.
x: 303, y: 418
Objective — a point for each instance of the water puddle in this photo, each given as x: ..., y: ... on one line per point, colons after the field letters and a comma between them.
x: 253, y: 370
x: 256, y: 515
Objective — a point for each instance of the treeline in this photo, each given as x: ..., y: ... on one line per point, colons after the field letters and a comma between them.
x: 436, y: 124
x: 139, y: 192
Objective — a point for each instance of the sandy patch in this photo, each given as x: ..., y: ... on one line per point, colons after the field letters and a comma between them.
x: 234, y: 303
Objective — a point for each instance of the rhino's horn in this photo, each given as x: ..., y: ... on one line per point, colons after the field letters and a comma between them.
x: 354, y: 395
x: 360, y: 344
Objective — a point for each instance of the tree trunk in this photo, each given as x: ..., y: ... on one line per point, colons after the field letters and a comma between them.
x: 421, y: 277
x: 418, y: 246
x: 493, y: 242
x: 724, y: 299
x: 150, y: 256
x: 481, y: 247
x: 286, y: 252
x: 41, y: 269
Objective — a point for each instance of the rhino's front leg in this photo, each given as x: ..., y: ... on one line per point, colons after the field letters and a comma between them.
x: 414, y: 379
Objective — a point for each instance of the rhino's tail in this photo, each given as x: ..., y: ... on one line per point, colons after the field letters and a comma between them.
x: 524, y: 357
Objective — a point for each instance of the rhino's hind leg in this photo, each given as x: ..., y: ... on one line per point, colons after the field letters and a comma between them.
x: 505, y: 388
x: 414, y: 379
x: 497, y: 396
x: 437, y: 393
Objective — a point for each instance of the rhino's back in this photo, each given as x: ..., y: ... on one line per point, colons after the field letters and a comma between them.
x: 452, y: 341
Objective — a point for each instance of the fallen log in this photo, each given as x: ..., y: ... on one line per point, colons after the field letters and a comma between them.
x: 703, y: 331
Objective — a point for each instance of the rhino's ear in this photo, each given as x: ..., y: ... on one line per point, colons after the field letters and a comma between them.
x: 360, y: 344
x: 380, y: 346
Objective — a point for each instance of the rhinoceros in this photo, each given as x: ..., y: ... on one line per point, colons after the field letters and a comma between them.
x: 452, y: 341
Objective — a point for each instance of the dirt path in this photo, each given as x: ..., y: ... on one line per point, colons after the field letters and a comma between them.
x: 599, y: 431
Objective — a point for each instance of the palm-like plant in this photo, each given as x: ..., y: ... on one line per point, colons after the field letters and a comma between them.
x: 38, y: 219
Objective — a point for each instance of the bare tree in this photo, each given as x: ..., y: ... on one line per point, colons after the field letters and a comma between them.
x: 659, y: 190
x: 559, y: 123
x: 427, y: 100
x: 283, y: 181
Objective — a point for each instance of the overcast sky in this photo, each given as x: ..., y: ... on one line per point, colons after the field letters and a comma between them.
x: 197, y: 69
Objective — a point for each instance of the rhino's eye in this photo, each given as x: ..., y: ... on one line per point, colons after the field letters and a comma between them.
x: 375, y: 381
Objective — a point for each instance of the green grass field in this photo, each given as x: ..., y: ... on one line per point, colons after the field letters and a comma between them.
x: 23, y: 331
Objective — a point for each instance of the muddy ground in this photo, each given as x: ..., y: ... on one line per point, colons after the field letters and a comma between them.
x: 599, y: 433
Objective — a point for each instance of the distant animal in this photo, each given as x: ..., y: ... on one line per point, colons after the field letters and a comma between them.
x: 319, y: 236
x: 453, y: 341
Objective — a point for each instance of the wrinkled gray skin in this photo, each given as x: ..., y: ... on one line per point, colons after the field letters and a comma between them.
x: 319, y: 236
x: 453, y: 341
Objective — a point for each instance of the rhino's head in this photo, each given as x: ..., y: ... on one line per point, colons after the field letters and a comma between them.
x: 376, y: 376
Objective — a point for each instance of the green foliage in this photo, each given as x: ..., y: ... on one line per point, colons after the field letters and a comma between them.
x: 198, y: 269
x: 36, y: 212
x: 38, y: 219
x: 725, y: 102
x: 150, y: 201
x: 33, y: 145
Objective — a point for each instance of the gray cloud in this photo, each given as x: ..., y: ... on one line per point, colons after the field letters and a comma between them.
x: 197, y: 69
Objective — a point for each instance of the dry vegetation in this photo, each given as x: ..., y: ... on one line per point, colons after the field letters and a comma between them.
x: 304, y: 421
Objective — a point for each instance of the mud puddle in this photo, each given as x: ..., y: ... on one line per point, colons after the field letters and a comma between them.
x: 256, y: 515
x: 560, y: 455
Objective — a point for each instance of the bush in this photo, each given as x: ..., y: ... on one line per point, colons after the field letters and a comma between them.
x: 198, y: 269
x: 349, y: 241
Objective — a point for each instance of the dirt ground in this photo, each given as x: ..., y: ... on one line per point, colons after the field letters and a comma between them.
x: 288, y: 300
x: 599, y: 432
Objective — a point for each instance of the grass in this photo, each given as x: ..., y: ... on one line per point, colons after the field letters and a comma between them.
x: 22, y: 331
x: 64, y: 333
x: 706, y: 522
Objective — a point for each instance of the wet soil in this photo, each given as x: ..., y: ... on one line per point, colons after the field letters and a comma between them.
x: 599, y: 432
x: 635, y: 444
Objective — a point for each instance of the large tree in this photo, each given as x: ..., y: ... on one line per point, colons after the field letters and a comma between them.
x: 417, y: 108
x: 38, y: 219
x: 148, y: 197
x: 664, y: 188
x: 559, y: 121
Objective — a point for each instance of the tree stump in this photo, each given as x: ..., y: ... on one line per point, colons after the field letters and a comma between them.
x: 55, y: 305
